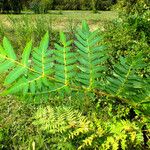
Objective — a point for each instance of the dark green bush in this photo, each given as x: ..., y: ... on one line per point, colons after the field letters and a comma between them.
x: 41, y: 6
x: 130, y: 33
x: 83, y: 4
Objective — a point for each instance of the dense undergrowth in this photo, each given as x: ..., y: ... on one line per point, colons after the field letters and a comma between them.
x: 91, y: 92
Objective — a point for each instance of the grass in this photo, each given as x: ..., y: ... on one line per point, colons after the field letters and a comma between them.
x: 22, y: 28
x: 15, y: 118
x: 61, y: 21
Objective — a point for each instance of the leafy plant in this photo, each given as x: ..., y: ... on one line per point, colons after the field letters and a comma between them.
x: 65, y: 125
x: 129, y: 34
x: 81, y: 68
x: 58, y: 124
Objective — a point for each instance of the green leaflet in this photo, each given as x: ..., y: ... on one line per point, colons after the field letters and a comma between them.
x: 85, y: 27
x: 89, y: 58
x: 9, y: 49
x: 7, y: 56
x: 39, y: 84
x: 93, y: 35
x: 17, y: 87
x: 2, y: 51
x: 44, y: 43
x: 64, y: 60
x: 82, y: 41
x: 81, y: 47
x: 45, y: 81
x: 94, y: 41
x: 14, y: 74
x: 25, y: 88
x: 42, y: 57
x: 26, y: 54
x: 32, y: 87
x: 5, y: 66
x: 63, y: 38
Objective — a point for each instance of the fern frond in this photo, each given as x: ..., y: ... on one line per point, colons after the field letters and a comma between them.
x: 10, y: 62
x: 125, y: 82
x: 42, y: 57
x: 27, y: 75
x: 57, y: 120
x: 90, y: 133
x: 43, y: 63
x: 20, y: 69
x: 65, y: 60
x: 64, y: 69
x: 91, y: 57
x: 7, y: 56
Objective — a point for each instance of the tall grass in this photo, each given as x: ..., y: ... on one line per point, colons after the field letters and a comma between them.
x: 22, y: 28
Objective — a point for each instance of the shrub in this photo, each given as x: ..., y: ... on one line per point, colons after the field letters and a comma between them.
x: 130, y: 33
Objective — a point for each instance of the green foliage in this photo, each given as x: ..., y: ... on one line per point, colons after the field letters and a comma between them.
x: 129, y: 34
x: 8, y: 6
x: 41, y: 6
x: 136, y: 20
x: 79, y: 69
x: 88, y: 132
x: 29, y: 126
x: 16, y: 131
x: 43, y: 70
x: 134, y: 6
x: 124, y: 79
x: 39, y: 69
x: 94, y: 5
x: 24, y: 28
x: 91, y: 57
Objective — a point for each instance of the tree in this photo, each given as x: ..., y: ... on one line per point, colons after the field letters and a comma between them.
x: 41, y: 6
x: 6, y: 6
x: 9, y: 6
x: 85, y: 4
x: 104, y: 4
x: 16, y: 6
x: 133, y: 6
x: 71, y: 4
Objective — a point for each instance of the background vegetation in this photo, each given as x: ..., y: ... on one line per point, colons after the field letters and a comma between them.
x: 42, y: 6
